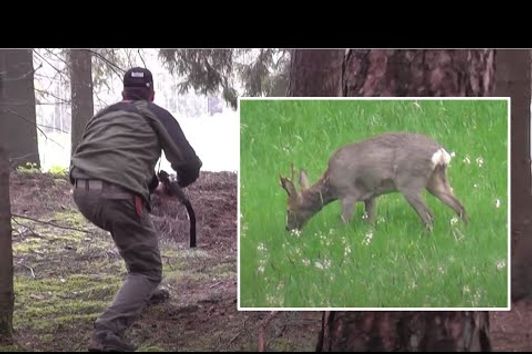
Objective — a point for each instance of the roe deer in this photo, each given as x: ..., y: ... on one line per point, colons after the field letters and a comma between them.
x: 391, y: 162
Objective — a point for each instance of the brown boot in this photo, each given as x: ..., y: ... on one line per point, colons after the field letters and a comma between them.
x: 109, y: 342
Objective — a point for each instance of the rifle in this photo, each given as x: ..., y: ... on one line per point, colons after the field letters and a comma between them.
x: 173, y: 189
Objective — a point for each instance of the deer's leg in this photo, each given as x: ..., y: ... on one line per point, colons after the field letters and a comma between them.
x: 439, y: 187
x: 348, y: 204
x: 411, y: 186
x: 369, y: 206
x: 414, y: 198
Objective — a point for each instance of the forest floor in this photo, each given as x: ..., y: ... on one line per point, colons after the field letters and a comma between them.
x: 65, y: 278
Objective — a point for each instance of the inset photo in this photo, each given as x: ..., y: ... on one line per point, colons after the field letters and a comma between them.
x: 374, y: 203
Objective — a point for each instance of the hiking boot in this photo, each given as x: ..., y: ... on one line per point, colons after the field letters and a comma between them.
x: 158, y: 296
x: 109, y: 342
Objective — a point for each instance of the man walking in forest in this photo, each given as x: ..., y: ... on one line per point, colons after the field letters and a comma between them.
x: 112, y: 171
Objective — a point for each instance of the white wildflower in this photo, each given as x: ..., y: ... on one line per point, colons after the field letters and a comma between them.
x: 453, y: 154
x: 295, y: 232
x: 347, y: 250
x: 367, y: 238
x: 501, y: 264
x: 466, y: 289
x: 480, y: 161
x: 475, y: 185
x: 318, y: 265
x: 261, y: 247
x: 306, y: 262
x: 466, y: 160
x: 261, y: 269
x: 454, y: 220
x: 477, y: 297
x: 270, y: 299
x: 497, y: 203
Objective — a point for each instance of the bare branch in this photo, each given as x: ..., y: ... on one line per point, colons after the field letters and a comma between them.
x: 51, y: 104
x: 58, y: 57
x: 31, y: 230
x: 29, y: 73
x: 49, y: 223
x: 100, y: 100
x: 112, y: 65
x: 53, y: 128
x: 32, y: 123
x: 128, y: 54
x: 47, y: 62
x: 141, y: 58
x: 48, y: 93
x: 32, y: 272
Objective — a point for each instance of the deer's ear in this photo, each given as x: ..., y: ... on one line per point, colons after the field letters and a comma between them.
x: 303, y: 180
x: 288, y: 186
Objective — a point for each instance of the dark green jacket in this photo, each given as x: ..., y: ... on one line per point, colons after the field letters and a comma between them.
x: 123, y: 142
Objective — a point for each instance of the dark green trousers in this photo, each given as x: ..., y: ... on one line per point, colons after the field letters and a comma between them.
x: 137, y: 243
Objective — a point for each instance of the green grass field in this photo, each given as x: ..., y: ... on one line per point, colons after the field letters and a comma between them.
x: 393, y: 263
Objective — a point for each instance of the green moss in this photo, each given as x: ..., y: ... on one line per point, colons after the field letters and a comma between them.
x: 58, y: 171
x: 28, y: 245
x: 28, y: 168
x: 11, y: 348
x: 70, y: 217
x: 223, y: 270
x: 47, y: 304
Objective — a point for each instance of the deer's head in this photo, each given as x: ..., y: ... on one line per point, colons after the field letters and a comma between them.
x: 297, y: 212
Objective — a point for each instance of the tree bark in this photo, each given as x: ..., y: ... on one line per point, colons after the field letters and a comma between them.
x: 316, y: 73
x: 406, y: 331
x: 513, y: 80
x: 419, y: 73
x: 399, y: 73
x: 18, y: 108
x: 6, y: 252
x: 81, y: 91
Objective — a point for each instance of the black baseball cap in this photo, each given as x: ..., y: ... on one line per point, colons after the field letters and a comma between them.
x: 138, y: 77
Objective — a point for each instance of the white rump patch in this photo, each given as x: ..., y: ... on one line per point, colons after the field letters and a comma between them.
x: 440, y: 157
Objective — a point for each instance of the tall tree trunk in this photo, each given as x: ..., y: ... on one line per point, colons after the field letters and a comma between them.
x: 400, y: 73
x: 81, y: 91
x: 513, y: 80
x: 419, y: 73
x: 6, y: 252
x: 316, y: 73
x: 18, y: 109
